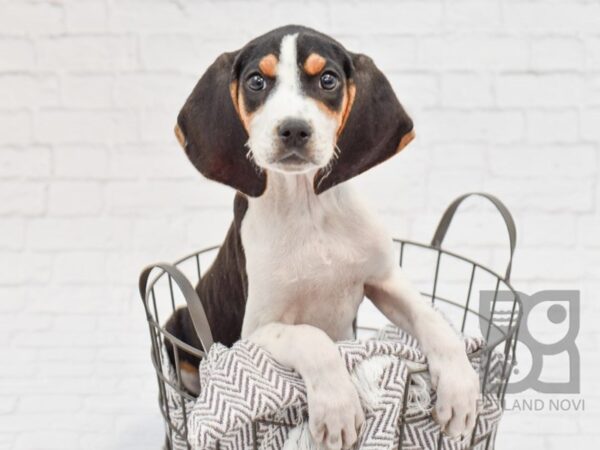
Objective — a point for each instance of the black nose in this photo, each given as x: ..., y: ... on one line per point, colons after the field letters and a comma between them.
x: 294, y: 132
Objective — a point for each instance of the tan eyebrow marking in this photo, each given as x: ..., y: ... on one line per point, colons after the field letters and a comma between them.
x: 268, y: 65
x: 314, y: 64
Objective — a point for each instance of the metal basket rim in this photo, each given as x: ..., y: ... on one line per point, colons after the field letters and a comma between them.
x: 488, y: 346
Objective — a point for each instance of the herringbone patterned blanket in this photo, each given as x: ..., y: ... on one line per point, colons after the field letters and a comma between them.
x: 246, y: 395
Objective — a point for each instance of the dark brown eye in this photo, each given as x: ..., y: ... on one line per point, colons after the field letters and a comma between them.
x: 329, y: 81
x: 256, y: 82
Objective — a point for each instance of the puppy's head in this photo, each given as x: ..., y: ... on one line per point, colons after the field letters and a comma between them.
x: 293, y: 101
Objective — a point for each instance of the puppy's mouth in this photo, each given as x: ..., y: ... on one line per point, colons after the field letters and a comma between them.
x: 294, y: 160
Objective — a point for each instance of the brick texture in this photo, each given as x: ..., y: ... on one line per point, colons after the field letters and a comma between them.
x: 505, y: 96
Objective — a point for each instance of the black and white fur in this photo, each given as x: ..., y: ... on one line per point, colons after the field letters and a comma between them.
x: 304, y: 249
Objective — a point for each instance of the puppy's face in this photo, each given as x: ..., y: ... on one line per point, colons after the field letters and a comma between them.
x: 292, y: 96
x: 292, y: 100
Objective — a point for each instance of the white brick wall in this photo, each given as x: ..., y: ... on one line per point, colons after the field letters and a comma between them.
x: 506, y: 98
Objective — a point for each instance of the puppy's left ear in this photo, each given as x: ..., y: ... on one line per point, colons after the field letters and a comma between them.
x: 376, y: 125
x: 210, y: 130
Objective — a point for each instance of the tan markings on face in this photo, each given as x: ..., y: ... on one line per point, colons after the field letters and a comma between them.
x: 180, y: 136
x: 347, y: 105
x: 340, y: 116
x: 233, y: 91
x: 268, y: 65
x: 314, y: 64
x: 406, y: 139
x: 238, y: 103
x: 245, y: 117
x: 336, y: 115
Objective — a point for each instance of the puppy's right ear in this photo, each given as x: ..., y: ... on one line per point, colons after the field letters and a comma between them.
x: 211, y: 132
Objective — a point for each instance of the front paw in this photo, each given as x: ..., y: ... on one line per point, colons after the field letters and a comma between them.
x: 457, y: 396
x: 334, y: 411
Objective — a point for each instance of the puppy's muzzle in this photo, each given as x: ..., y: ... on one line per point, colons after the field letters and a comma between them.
x: 294, y: 135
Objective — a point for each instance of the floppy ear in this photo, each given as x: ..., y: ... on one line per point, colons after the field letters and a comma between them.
x: 376, y: 128
x: 211, y: 132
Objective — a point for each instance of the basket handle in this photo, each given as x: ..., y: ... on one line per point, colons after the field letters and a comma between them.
x: 444, y: 223
x: 191, y: 298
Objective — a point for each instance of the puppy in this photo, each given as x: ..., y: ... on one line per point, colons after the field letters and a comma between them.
x: 287, y: 121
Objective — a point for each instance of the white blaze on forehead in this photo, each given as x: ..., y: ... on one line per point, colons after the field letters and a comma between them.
x: 287, y: 70
x: 287, y: 99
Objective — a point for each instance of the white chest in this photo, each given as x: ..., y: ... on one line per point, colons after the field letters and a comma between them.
x: 308, y: 257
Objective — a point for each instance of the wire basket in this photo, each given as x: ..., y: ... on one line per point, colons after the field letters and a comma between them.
x: 448, y: 279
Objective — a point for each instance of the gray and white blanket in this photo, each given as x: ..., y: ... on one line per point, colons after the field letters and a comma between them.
x: 248, y: 398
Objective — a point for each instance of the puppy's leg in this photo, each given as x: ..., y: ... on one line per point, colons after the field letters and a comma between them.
x: 334, y: 409
x: 180, y: 325
x: 454, y: 379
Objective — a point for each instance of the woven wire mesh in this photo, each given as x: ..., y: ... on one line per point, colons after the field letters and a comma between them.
x: 450, y: 281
